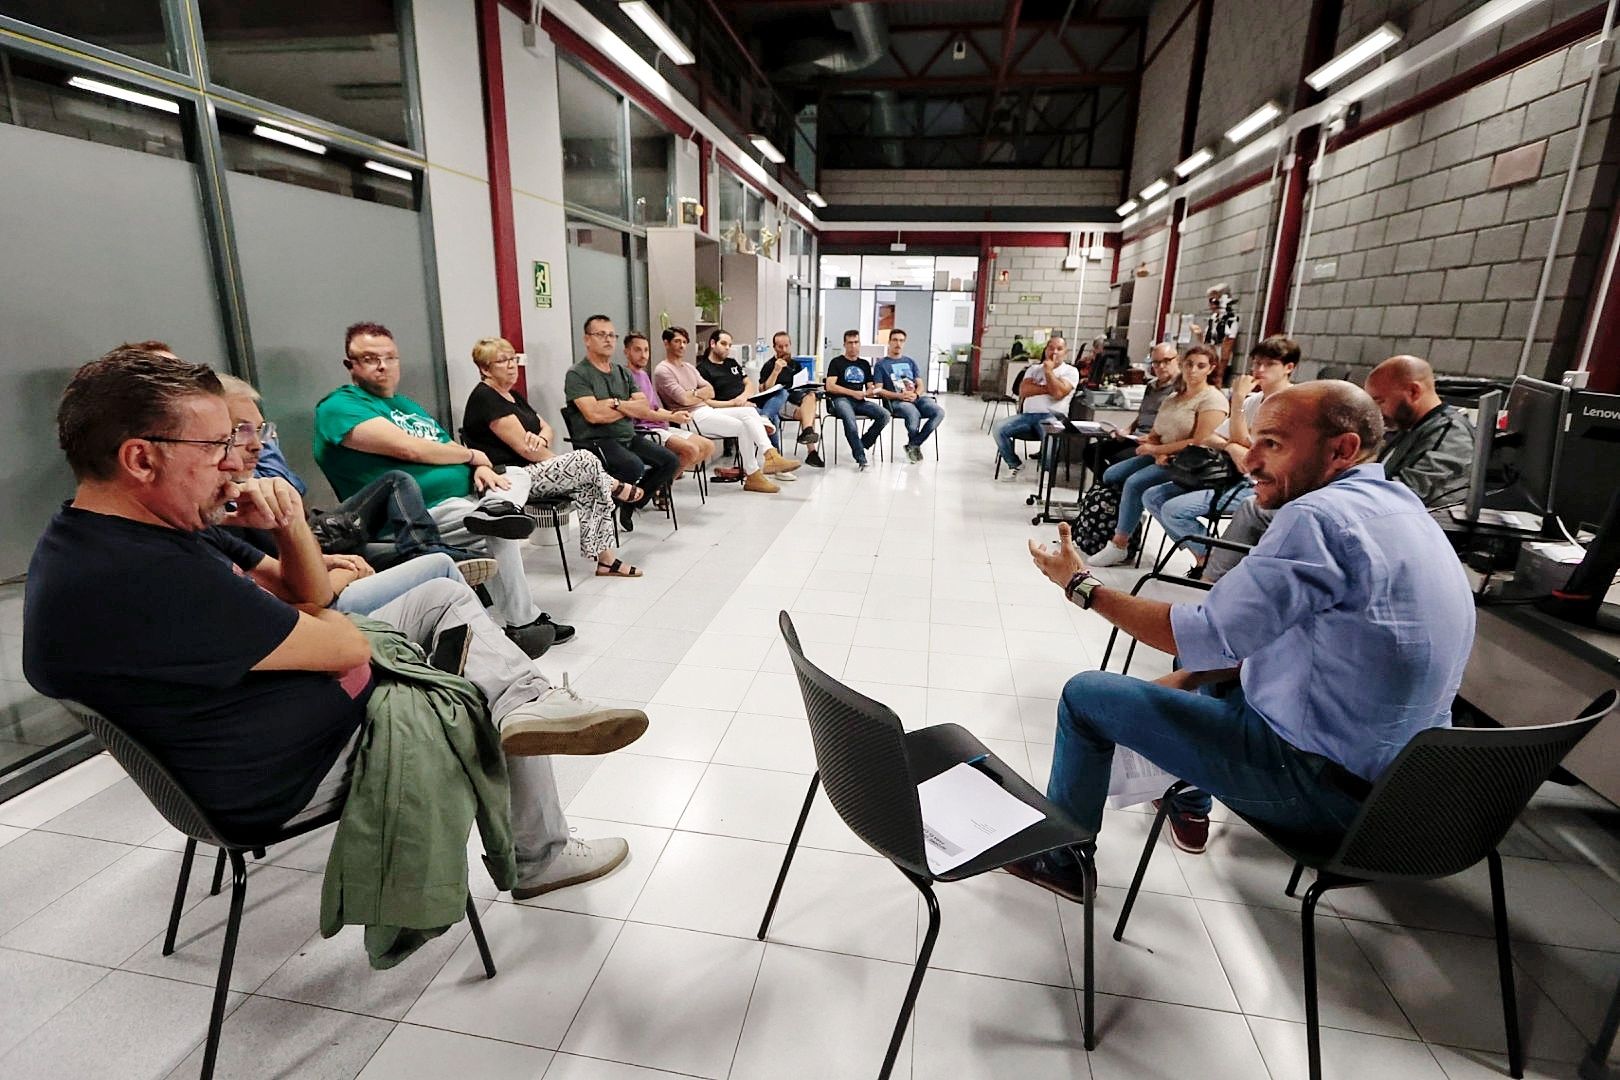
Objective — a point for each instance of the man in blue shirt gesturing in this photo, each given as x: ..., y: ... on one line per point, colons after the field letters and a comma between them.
x: 1347, y: 630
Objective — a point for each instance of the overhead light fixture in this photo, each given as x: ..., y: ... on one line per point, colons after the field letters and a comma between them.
x: 1154, y: 190
x: 1353, y: 57
x: 287, y: 138
x: 1193, y: 164
x: 642, y: 14
x: 1252, y: 123
x: 768, y: 148
x: 815, y: 198
x: 1126, y: 208
x: 389, y: 170
x: 123, y: 93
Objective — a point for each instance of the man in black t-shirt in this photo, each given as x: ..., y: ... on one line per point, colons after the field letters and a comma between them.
x: 732, y: 385
x: 795, y: 403
x: 248, y: 686
x: 852, y: 391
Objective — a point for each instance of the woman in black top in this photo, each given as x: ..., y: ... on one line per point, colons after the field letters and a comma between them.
x: 500, y: 421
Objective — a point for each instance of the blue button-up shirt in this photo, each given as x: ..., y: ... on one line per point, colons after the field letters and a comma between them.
x: 1352, y: 619
x: 273, y: 463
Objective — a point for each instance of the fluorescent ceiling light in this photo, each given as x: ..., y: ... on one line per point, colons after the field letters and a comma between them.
x: 79, y: 82
x: 1353, y: 57
x: 642, y: 14
x: 288, y: 138
x: 815, y: 198
x: 1252, y: 123
x: 389, y: 170
x: 1126, y: 208
x: 768, y: 148
x: 1194, y: 163
x: 1155, y: 189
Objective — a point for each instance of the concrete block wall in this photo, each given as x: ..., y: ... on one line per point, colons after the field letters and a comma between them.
x: 1163, y: 99
x: 1411, y: 250
x: 971, y: 187
x: 1038, y: 271
x: 1142, y: 260
x: 1226, y: 244
x: 1251, y: 60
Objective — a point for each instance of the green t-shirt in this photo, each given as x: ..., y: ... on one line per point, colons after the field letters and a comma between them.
x: 345, y: 409
x: 584, y: 380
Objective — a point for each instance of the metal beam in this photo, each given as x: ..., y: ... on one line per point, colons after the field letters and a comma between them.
x: 1036, y: 80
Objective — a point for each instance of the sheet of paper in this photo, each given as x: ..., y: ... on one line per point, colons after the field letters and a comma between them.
x: 1135, y: 779
x: 965, y: 813
x: 800, y: 377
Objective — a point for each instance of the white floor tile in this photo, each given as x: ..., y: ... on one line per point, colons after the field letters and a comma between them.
x: 676, y: 731
x: 1346, y: 1055
x: 739, y: 652
x: 704, y: 688
x: 1153, y: 1040
x: 39, y: 867
x: 266, y: 1037
x: 641, y: 790
x: 762, y: 741
x: 998, y: 925
x: 903, y: 667
x: 668, y: 999
x: 1166, y: 954
x: 773, y: 692
x: 989, y: 716
x: 716, y: 884
x: 969, y: 1026
x: 419, y: 1053
x: 60, y: 793
x: 756, y: 804
x: 978, y: 673
x: 847, y: 903
x: 35, y: 988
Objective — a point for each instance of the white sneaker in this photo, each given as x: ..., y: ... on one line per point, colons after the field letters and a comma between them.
x: 562, y: 722
x: 579, y: 860
x: 1012, y: 475
x: 785, y: 477
x: 1111, y: 555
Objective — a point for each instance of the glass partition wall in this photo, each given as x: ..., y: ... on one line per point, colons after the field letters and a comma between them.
x: 930, y: 297
x: 244, y: 153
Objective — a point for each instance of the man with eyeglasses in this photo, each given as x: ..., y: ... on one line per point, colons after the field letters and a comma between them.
x: 368, y: 428
x: 603, y: 405
x: 1164, y: 364
x: 236, y: 670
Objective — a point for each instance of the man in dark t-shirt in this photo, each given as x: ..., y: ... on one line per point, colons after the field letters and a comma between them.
x: 247, y: 685
x: 851, y: 392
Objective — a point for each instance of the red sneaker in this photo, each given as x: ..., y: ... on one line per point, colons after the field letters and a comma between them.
x: 1189, y: 832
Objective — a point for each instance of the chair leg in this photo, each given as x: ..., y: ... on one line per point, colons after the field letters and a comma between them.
x: 1307, y: 931
x: 219, y: 874
x: 1088, y: 1022
x: 1130, y: 654
x: 562, y: 549
x: 1147, y: 855
x: 1293, y: 880
x: 1504, y: 967
x: 787, y: 858
x: 917, y: 972
x: 1108, y: 652
x: 478, y: 936
x: 227, y: 957
x: 179, y: 896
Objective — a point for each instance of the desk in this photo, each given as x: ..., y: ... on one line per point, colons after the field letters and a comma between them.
x: 1530, y: 668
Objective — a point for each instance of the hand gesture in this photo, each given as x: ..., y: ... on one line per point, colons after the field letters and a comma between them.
x: 1059, y: 564
x: 533, y: 443
x: 354, y: 564
x: 1147, y: 449
x: 680, y: 416
x: 485, y: 478
x: 268, y: 503
x: 1242, y: 387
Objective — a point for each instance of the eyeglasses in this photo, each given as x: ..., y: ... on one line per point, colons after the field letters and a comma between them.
x: 605, y: 335
x: 376, y: 361
x: 224, y: 446
x: 245, y: 431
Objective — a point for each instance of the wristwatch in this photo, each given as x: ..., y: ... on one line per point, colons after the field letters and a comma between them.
x: 1081, y: 586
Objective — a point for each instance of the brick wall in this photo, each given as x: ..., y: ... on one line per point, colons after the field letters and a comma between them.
x: 1038, y: 271
x: 1163, y: 95
x: 971, y: 187
x: 1145, y: 253
x: 1251, y: 60
x: 1226, y: 244
x: 1430, y: 258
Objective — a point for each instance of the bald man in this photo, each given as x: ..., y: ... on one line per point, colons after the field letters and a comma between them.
x: 1431, y: 444
x: 1347, y: 630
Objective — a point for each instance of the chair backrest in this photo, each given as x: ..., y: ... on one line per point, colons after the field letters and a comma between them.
x: 1452, y: 794
x: 861, y: 756
x: 1015, y: 377
x: 155, y: 781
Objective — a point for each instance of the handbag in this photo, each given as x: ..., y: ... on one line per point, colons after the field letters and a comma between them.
x: 1199, y: 467
x: 339, y: 532
x: 1093, y: 524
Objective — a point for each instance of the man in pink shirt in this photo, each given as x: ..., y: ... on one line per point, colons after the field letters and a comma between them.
x: 690, y: 447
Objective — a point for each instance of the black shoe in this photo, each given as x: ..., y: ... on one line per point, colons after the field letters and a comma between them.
x: 564, y: 631
x: 533, y: 638
x: 813, y: 459
x: 870, y: 439
x: 499, y: 519
x: 1068, y: 879
x: 810, y: 437
x: 626, y: 517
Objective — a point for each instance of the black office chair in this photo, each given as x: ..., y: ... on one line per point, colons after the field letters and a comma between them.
x: 548, y: 510
x: 1443, y: 805
x: 1168, y: 581
x: 181, y: 811
x: 872, y: 767
x: 863, y: 424
x: 895, y: 421
x: 668, y: 492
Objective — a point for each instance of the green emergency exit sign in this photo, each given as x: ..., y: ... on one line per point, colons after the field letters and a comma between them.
x: 542, y: 285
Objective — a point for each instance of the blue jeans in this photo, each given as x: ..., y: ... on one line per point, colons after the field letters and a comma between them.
x: 1021, y: 426
x: 913, y: 413
x: 846, y: 409
x: 391, y: 506
x: 1134, y: 477
x: 1218, y: 744
x: 771, y: 409
x: 1178, y: 509
x: 367, y: 594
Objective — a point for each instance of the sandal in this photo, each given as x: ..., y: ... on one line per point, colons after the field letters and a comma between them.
x: 618, y: 568
x: 619, y: 489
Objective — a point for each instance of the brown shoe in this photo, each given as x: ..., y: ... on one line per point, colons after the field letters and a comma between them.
x: 757, y: 481
x: 1070, y: 881
x: 1189, y: 832
x: 776, y: 463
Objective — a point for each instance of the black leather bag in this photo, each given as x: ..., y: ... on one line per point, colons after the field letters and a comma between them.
x: 1199, y: 467
x: 338, y: 531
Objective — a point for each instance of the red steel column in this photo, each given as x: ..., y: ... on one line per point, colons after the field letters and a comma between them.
x: 981, y: 299
x: 503, y: 224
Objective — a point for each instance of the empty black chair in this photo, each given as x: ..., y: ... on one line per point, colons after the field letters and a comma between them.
x: 1443, y: 805
x: 871, y: 767
x: 182, y: 811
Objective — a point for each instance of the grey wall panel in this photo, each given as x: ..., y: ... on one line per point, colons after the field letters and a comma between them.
x: 102, y: 245
x: 312, y: 263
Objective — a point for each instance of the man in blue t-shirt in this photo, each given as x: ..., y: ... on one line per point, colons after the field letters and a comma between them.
x: 852, y: 392
x: 903, y: 391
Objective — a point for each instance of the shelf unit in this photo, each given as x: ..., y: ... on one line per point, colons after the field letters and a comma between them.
x: 679, y: 259
x: 1120, y: 297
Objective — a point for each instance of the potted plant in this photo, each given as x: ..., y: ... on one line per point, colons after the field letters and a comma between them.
x: 708, y: 301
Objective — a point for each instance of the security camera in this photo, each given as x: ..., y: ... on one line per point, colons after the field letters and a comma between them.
x: 959, y: 50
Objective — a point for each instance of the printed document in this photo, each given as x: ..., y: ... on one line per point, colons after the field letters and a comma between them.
x: 965, y: 813
x: 1135, y: 779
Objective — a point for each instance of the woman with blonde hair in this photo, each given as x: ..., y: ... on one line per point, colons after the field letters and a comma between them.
x: 500, y: 422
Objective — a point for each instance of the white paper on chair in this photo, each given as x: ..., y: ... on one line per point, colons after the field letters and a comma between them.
x: 965, y: 813
x: 1135, y: 779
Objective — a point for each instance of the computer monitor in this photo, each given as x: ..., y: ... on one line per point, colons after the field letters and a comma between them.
x: 1527, y: 448
x: 1589, y: 463
x: 1487, y: 408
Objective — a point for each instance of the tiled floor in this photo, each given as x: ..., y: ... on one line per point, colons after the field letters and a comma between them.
x: 912, y: 583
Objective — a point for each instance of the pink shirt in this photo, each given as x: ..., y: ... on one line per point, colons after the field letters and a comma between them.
x: 677, y: 382
x: 644, y: 383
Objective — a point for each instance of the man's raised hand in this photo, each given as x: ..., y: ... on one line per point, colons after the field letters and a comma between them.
x: 1061, y: 563
x: 266, y: 502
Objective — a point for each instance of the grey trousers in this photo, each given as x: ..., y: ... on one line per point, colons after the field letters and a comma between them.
x: 508, y: 679
x: 509, y: 588
x: 1248, y: 524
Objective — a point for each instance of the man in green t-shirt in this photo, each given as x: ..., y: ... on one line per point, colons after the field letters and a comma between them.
x: 367, y: 428
x: 603, y: 405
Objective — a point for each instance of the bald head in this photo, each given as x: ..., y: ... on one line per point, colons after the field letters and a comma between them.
x: 1306, y: 436
x: 1403, y: 387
